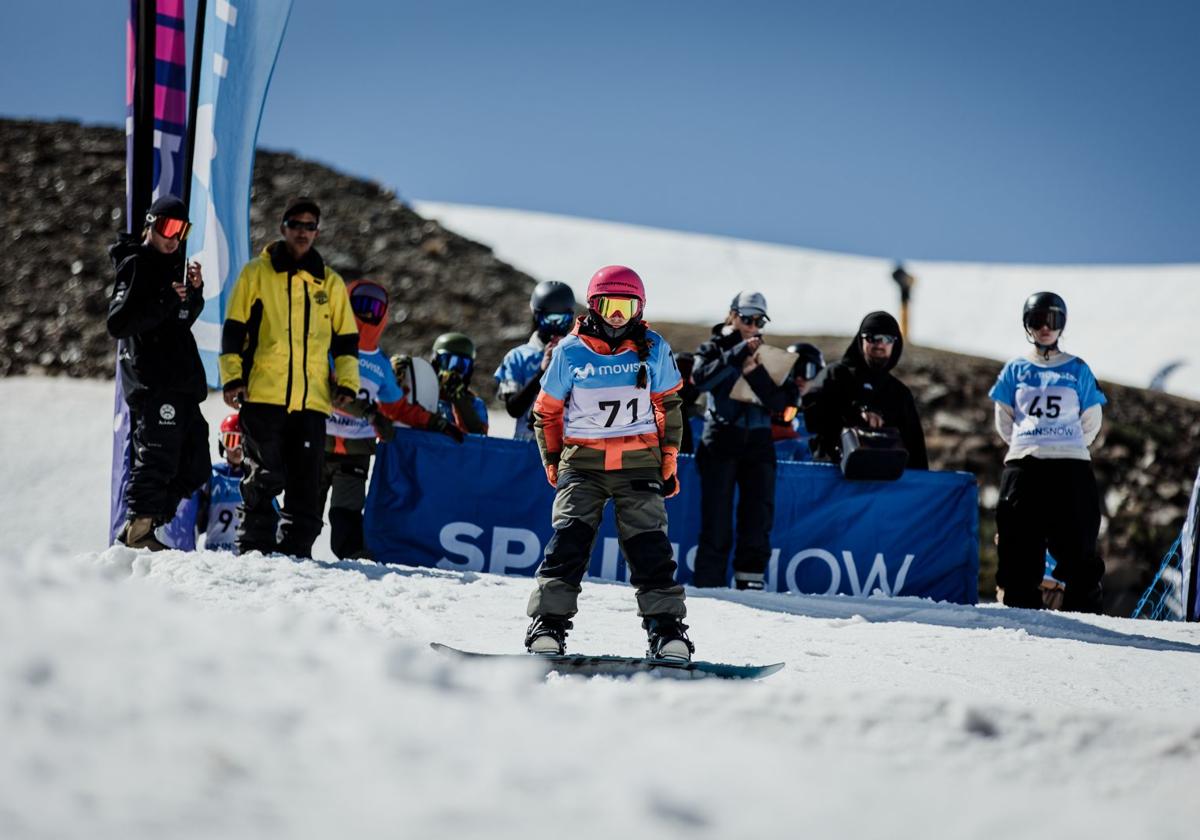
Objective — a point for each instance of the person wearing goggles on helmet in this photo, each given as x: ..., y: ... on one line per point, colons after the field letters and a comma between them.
x: 519, y: 376
x: 736, y: 452
x: 608, y: 427
x: 791, y: 435
x: 1048, y: 411
x: 156, y: 298
x: 351, y: 431
x: 860, y: 391
x: 219, y: 500
x: 453, y: 359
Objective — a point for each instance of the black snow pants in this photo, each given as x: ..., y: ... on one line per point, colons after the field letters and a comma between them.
x: 169, y: 452
x: 285, y: 451
x: 346, y: 475
x: 748, y: 468
x: 1049, y: 504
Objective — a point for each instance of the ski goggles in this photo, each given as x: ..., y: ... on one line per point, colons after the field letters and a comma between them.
x: 556, y: 322
x: 231, y: 440
x: 608, y: 306
x: 296, y: 224
x: 170, y: 228
x: 807, y: 370
x: 455, y: 362
x: 369, y: 304
x: 756, y: 320
x: 1051, y: 318
x: 879, y: 338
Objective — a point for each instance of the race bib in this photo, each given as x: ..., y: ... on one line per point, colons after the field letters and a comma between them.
x: 1048, y: 415
x: 609, y: 412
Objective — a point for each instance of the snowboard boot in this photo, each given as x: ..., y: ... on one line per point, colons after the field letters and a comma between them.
x: 667, y: 638
x: 139, y: 533
x: 748, y: 581
x: 547, y: 634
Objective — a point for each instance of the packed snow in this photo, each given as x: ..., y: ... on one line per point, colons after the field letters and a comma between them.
x: 1130, y: 322
x: 206, y: 695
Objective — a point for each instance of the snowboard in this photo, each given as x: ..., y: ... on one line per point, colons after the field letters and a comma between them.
x: 624, y: 666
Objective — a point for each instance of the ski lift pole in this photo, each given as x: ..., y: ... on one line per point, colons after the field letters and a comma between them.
x: 905, y: 281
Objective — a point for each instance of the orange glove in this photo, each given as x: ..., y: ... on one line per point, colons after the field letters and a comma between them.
x: 669, y: 469
x: 552, y: 474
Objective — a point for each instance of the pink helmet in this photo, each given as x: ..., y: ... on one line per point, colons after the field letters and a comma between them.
x: 616, y: 280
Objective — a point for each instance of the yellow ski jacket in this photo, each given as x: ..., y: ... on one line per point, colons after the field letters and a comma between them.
x: 283, y: 322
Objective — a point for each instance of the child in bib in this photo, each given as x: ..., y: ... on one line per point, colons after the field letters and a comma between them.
x: 608, y: 426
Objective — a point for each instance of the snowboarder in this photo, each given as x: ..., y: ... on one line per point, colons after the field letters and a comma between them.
x: 1048, y: 411
x: 519, y: 376
x: 736, y: 451
x: 220, y: 498
x: 608, y: 425
x: 156, y: 299
x: 453, y: 359
x: 791, y: 435
x: 351, y: 432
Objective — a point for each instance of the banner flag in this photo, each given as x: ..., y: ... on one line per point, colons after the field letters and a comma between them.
x: 241, y: 43
x: 484, y: 506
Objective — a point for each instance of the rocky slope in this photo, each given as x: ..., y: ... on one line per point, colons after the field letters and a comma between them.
x: 62, y: 201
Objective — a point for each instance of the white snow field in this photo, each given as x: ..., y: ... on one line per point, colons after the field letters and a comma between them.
x: 1129, y: 321
x: 204, y: 695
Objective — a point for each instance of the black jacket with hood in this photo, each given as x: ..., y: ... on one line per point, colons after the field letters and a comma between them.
x: 846, y: 388
x: 153, y: 327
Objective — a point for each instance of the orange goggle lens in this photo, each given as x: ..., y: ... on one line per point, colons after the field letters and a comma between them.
x: 231, y: 440
x: 610, y: 306
x: 172, y: 228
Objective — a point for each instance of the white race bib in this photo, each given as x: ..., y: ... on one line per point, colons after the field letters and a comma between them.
x: 1047, y: 415
x: 609, y: 412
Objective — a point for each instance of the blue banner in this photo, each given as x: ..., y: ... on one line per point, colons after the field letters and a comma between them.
x: 484, y: 506
x: 241, y: 43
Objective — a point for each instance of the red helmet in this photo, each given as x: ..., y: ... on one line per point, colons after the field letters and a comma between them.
x: 616, y: 280
x: 230, y: 436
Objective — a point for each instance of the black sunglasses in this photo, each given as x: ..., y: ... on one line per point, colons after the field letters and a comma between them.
x: 879, y: 338
x: 756, y: 320
x: 296, y: 224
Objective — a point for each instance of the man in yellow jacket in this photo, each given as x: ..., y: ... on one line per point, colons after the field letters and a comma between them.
x: 287, y: 315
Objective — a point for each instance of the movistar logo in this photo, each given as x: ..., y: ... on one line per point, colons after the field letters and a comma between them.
x: 604, y: 370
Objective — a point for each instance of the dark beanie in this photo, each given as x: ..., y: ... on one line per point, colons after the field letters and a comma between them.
x: 168, y: 206
x: 879, y: 323
x: 301, y: 205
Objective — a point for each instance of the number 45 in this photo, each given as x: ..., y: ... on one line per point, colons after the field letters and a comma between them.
x: 1052, y: 410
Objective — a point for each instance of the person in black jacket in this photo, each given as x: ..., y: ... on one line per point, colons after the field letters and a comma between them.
x: 859, y: 391
x: 156, y: 299
x: 736, y: 449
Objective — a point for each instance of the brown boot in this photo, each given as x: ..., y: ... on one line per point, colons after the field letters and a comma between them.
x: 139, y: 533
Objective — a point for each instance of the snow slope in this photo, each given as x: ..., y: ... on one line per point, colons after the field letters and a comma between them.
x: 1128, y: 321
x: 205, y: 695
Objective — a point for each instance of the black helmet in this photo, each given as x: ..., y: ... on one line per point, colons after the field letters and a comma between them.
x: 811, y: 361
x: 552, y: 296
x: 1044, y: 309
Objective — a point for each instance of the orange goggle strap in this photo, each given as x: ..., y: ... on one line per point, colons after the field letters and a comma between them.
x: 171, y: 228
x: 607, y: 306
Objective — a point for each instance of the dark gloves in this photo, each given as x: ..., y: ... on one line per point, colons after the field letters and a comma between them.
x: 234, y: 393
x: 343, y: 397
x: 453, y: 385
x: 438, y: 423
x: 385, y: 430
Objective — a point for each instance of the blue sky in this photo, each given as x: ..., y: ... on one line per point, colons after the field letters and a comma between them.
x: 1051, y: 131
